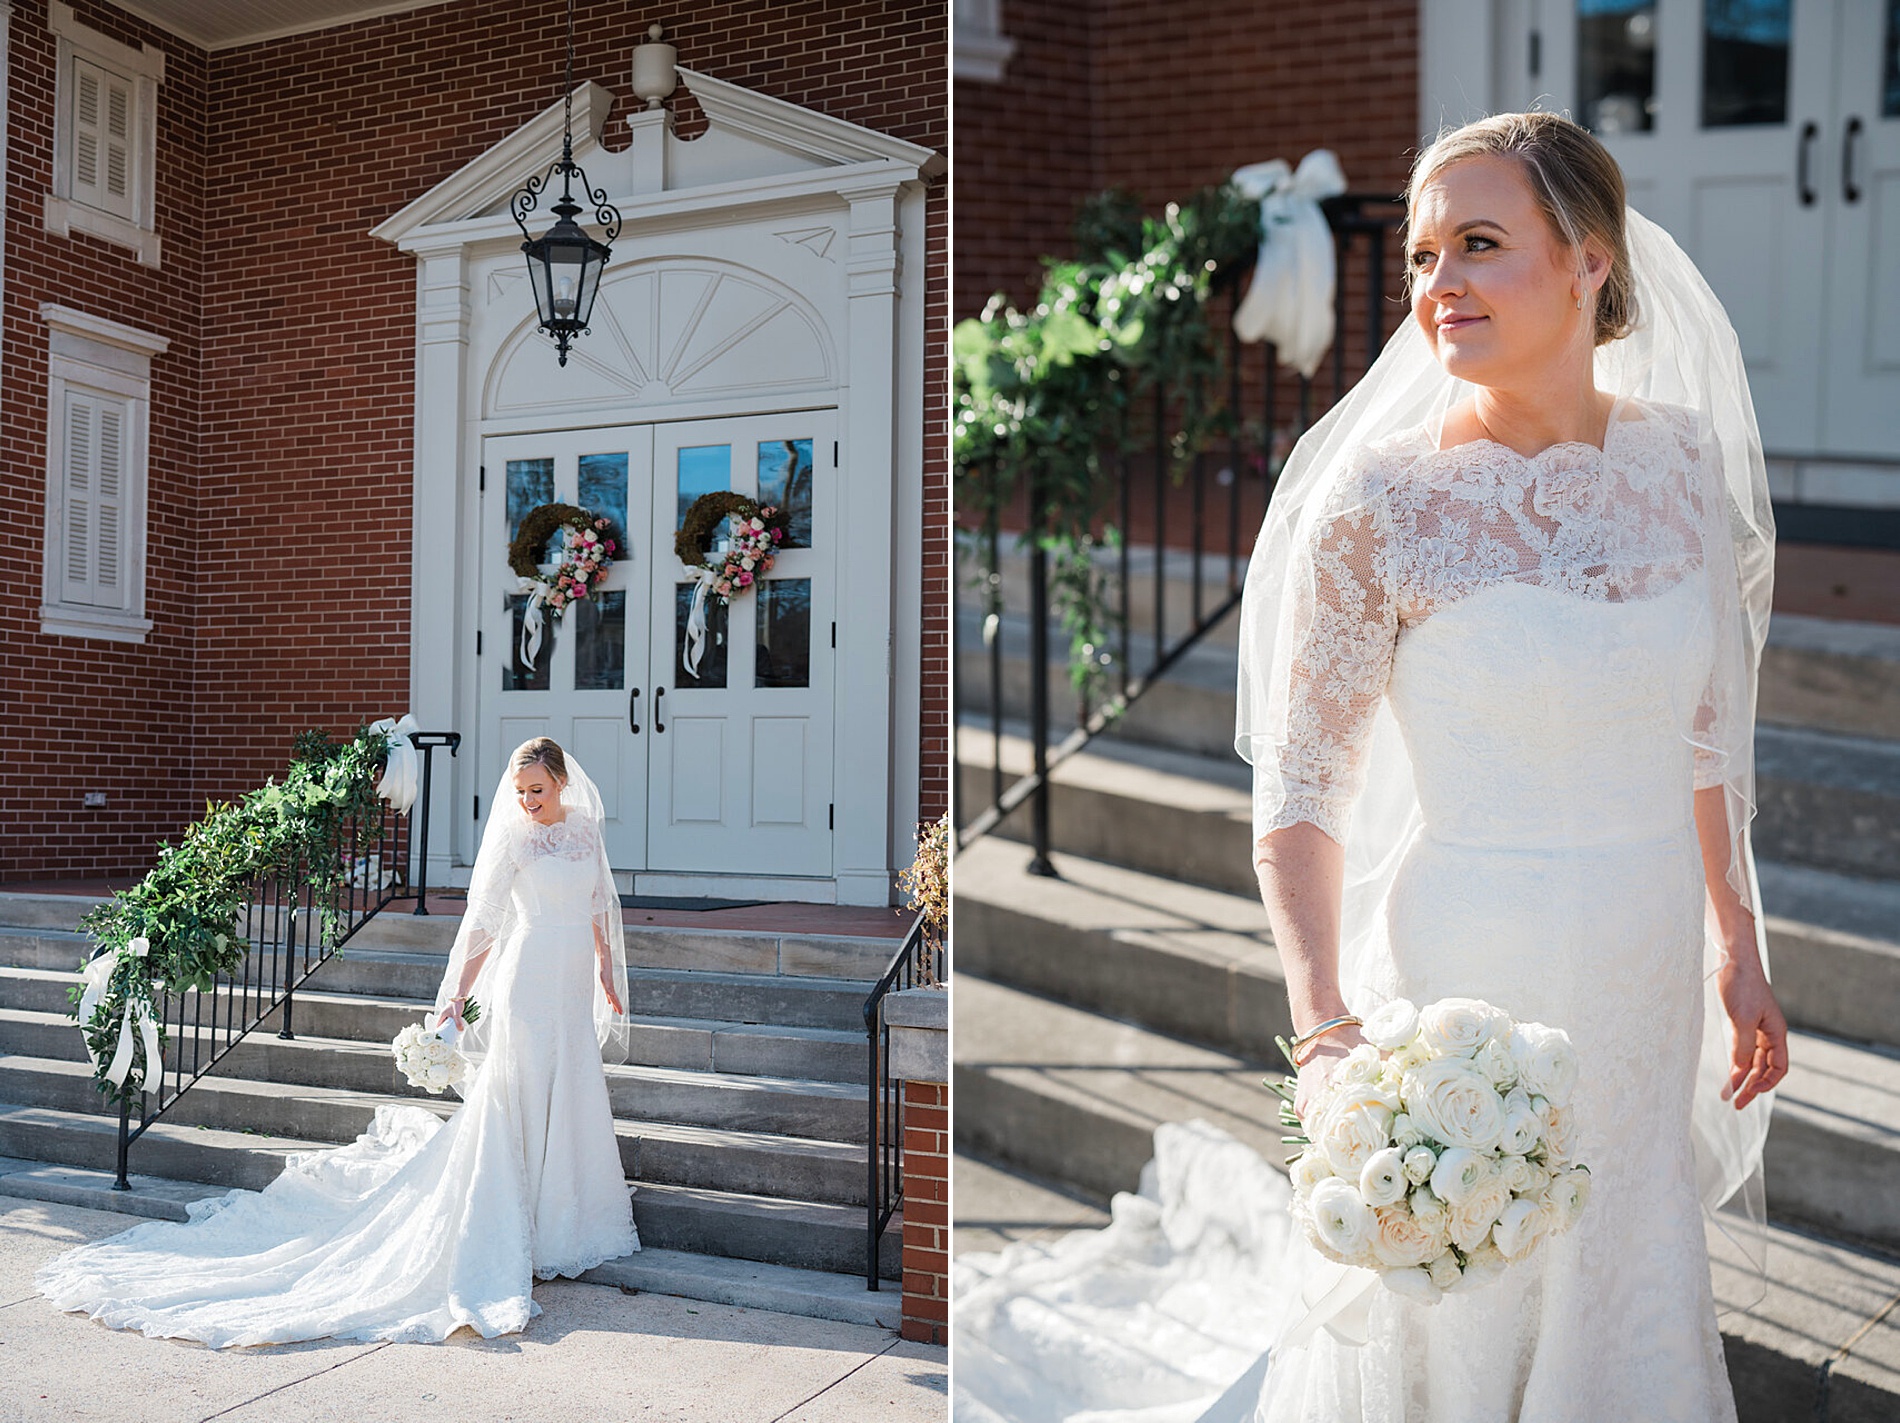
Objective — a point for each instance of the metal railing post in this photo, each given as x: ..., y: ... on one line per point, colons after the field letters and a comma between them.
x: 290, y: 982
x: 1039, y: 862
x: 426, y: 742
x: 123, y: 1182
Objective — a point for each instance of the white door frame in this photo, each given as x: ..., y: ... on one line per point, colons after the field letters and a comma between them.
x: 827, y: 215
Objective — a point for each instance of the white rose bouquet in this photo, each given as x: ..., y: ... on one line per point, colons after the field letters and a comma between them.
x: 1441, y: 1148
x: 429, y: 1058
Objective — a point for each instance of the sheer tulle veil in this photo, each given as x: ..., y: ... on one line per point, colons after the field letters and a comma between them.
x: 1682, y: 352
x: 489, y: 923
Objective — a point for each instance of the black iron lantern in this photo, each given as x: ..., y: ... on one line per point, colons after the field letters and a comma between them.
x: 565, y: 263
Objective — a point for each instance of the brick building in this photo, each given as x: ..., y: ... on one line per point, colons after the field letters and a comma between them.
x: 274, y: 401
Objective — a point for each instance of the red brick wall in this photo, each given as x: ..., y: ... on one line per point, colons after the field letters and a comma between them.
x: 282, y: 443
x: 1163, y: 98
x: 927, y: 1212
x: 87, y: 715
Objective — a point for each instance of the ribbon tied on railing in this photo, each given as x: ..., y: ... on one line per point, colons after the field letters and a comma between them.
x: 138, y: 1024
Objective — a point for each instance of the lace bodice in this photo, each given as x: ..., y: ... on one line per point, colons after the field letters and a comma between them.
x: 1410, y: 530
x: 557, y: 878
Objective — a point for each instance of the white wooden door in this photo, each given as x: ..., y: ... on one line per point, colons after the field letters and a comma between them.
x: 741, y: 752
x: 1860, y: 176
x: 1719, y: 113
x: 586, y: 685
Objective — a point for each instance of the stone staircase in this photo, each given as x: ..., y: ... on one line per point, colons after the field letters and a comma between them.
x: 1142, y: 986
x: 741, y: 1115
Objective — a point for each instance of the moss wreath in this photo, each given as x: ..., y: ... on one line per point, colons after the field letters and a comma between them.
x: 536, y: 529
x: 703, y: 516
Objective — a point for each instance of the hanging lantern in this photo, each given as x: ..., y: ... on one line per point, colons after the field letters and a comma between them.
x: 565, y: 263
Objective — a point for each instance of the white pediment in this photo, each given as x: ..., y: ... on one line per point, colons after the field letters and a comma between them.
x: 750, y: 139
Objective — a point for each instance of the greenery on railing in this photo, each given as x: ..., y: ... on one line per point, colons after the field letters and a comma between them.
x: 175, y: 928
x: 1044, y: 398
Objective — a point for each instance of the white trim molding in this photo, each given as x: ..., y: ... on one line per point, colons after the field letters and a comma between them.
x: 979, y: 48
x: 105, y: 365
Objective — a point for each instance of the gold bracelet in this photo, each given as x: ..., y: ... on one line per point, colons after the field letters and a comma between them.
x: 1346, y: 1020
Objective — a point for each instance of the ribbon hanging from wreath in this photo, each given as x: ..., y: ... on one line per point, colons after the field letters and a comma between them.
x: 586, y: 549
x: 757, y: 530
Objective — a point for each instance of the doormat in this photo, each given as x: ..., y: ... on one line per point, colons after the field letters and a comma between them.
x: 691, y: 906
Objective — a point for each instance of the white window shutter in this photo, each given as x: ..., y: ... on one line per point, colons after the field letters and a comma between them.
x: 92, y: 542
x: 102, y: 126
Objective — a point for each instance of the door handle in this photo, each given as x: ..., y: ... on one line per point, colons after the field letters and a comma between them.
x: 658, y: 725
x: 1809, y: 132
x: 1849, y: 193
x: 633, y: 711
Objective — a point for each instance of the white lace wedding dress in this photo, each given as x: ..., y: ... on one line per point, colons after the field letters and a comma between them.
x: 420, y: 1226
x: 1538, y: 628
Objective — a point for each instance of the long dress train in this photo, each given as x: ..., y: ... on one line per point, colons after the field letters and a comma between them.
x: 421, y: 1225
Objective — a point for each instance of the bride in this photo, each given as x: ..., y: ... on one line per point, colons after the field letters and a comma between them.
x: 422, y: 1226
x: 1497, y: 671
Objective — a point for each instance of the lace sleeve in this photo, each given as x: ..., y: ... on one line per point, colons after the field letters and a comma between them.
x: 1343, y: 627
x: 1705, y: 494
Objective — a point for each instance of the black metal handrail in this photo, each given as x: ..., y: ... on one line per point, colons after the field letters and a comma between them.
x: 289, y: 933
x: 1356, y: 219
x: 917, y: 960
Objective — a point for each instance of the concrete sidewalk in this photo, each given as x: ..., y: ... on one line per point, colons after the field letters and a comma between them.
x: 595, y: 1353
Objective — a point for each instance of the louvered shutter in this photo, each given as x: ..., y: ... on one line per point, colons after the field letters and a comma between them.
x: 92, y: 541
x: 102, y: 121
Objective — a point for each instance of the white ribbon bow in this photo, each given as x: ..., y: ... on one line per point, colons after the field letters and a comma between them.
x: 696, y: 618
x: 400, y: 781
x: 1290, y: 301
x: 537, y: 592
x: 138, y: 1019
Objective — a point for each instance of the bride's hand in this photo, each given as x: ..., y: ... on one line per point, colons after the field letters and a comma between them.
x: 613, y: 998
x: 1321, y: 1060
x: 1758, y: 1033
x: 454, y: 1010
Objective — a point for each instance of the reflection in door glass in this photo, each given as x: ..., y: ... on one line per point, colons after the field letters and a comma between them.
x: 1890, y: 73
x: 1745, y: 62
x: 516, y: 675
x: 600, y: 642
x: 784, y: 647
x: 603, y: 492
x: 529, y: 485
x: 785, y: 481
x: 712, y: 652
x: 1616, y: 65
x: 703, y: 469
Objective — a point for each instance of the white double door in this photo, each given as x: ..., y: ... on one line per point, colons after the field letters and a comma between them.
x: 725, y: 768
x: 1765, y: 136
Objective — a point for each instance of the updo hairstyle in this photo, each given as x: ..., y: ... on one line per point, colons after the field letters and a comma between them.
x: 1577, y: 184
x: 542, y: 751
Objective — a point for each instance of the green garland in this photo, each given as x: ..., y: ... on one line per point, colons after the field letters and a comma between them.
x: 703, y: 515
x: 187, y: 905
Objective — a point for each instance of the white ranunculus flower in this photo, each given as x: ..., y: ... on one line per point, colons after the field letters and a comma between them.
x: 1458, y: 1027
x: 1459, y: 1172
x: 1382, y: 1178
x: 1547, y: 1063
x: 1400, y: 1241
x: 1494, y: 1059
x: 1517, y: 1228
x: 1362, y: 1065
x: 1343, y: 1222
x: 1308, y: 1170
x: 1515, y: 1173
x: 1445, y: 1272
x: 1356, y: 1122
x: 1405, y: 1134
x: 1536, y: 1178
x: 435, y: 1050
x: 1565, y: 1197
x: 1560, y: 1137
x: 1473, y: 1217
x: 435, y: 1077
x: 1452, y: 1102
x: 1482, y: 1266
x: 1428, y: 1210
x: 1414, y: 1284
x: 1523, y: 1128
x: 1420, y: 1162
x: 1391, y: 1024
x: 1409, y: 1056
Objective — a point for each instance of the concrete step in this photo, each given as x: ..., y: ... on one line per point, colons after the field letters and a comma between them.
x: 787, y: 1001
x: 1037, y: 1080
x: 1823, y: 1343
x: 802, y: 1235
x: 1834, y: 939
x: 673, y: 1153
